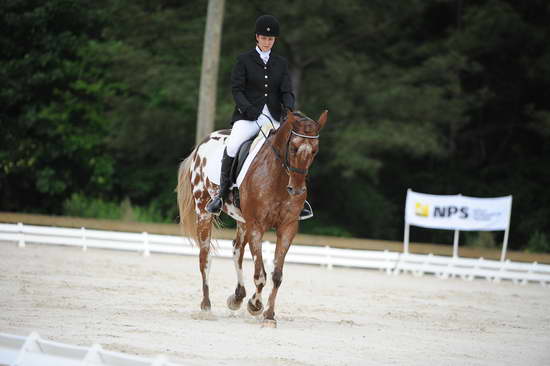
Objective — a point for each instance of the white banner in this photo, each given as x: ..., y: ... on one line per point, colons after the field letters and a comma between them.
x: 458, y: 212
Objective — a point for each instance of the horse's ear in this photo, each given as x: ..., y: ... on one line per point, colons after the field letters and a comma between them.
x: 289, y: 115
x: 323, y: 119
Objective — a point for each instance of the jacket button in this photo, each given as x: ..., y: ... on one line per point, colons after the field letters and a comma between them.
x: 265, y: 94
x: 266, y: 76
x: 265, y: 67
x: 266, y: 85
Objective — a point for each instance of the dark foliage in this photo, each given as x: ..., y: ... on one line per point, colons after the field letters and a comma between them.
x: 99, y: 100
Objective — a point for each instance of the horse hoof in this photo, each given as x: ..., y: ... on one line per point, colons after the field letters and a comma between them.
x: 233, y: 303
x: 269, y: 323
x: 205, y: 305
x: 253, y: 309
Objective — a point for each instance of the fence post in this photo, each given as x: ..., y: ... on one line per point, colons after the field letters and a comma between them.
x: 160, y: 360
x: 146, y: 252
x: 29, y: 345
x: 92, y: 356
x: 386, y: 262
x: 425, y: 264
x: 530, y: 271
x: 83, y: 237
x: 328, y: 257
x: 397, y: 268
x: 472, y: 275
x: 447, y: 270
x: 501, y: 270
x: 21, y: 235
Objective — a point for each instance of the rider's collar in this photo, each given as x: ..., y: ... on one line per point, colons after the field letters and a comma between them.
x: 263, y: 55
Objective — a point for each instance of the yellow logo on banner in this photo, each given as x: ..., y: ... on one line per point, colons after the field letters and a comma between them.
x: 422, y: 210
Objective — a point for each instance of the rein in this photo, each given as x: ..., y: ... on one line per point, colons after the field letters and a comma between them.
x: 285, y: 162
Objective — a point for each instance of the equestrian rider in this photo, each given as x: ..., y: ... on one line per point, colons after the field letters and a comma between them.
x: 261, y: 86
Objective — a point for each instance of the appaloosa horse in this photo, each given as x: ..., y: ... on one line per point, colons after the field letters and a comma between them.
x: 272, y: 195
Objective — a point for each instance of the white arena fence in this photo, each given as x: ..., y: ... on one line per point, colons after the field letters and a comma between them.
x: 35, y: 351
x: 393, y: 263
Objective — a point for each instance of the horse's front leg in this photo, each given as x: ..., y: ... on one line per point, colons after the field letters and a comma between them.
x: 285, y: 235
x: 235, y: 300
x: 255, y: 305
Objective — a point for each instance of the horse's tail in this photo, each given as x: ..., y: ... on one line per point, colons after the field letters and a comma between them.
x: 188, y: 216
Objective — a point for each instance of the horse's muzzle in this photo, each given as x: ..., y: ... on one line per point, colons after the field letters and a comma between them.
x: 295, y: 192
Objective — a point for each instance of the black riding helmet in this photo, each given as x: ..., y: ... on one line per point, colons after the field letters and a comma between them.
x: 267, y: 25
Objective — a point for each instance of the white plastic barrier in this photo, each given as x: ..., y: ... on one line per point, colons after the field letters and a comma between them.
x: 390, y: 262
x: 35, y: 351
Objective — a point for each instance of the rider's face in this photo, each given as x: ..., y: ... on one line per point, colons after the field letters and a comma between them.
x: 265, y: 43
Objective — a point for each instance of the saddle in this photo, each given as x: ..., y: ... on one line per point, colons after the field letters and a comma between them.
x: 238, y: 163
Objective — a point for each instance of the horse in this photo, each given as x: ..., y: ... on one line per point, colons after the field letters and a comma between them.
x: 271, y: 195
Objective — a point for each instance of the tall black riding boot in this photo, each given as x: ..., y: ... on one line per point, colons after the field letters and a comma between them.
x: 215, y: 205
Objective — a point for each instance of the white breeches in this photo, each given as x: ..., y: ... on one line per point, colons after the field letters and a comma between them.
x: 243, y: 130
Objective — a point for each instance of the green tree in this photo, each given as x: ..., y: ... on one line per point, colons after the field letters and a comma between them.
x: 52, y: 130
x: 99, y: 102
x: 157, y: 63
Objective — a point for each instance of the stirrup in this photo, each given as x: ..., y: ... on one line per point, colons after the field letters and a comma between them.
x: 210, y: 210
x: 307, y: 212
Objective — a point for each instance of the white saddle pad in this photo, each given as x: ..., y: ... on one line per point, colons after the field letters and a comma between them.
x: 213, y: 150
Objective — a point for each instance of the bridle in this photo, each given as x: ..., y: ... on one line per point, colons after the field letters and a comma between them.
x: 285, y: 162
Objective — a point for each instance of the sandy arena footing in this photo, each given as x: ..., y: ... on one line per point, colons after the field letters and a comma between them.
x: 150, y: 305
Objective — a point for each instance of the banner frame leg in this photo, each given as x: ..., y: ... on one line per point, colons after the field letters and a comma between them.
x: 455, y: 244
x: 504, y: 245
x: 406, y: 239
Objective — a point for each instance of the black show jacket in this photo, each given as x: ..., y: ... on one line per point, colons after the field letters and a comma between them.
x: 255, y: 84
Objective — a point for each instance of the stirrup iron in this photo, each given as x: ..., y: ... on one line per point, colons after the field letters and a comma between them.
x: 214, y: 212
x: 307, y: 212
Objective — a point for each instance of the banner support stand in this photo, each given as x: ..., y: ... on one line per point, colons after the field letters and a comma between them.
x: 505, y: 240
x: 455, y: 244
x: 504, y: 245
x: 406, y: 239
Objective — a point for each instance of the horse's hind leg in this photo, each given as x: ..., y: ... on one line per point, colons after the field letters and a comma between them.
x: 235, y: 300
x: 204, y: 230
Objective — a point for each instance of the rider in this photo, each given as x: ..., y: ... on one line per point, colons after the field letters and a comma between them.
x: 261, y: 87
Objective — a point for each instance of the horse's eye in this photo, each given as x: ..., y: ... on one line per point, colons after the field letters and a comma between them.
x: 294, y: 150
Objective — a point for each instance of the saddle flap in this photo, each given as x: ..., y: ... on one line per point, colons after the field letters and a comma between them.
x: 213, y: 150
x: 238, y: 163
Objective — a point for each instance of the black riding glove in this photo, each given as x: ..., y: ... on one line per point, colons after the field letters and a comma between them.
x: 250, y: 113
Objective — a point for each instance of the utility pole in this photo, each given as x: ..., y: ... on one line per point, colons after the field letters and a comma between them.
x: 209, y: 69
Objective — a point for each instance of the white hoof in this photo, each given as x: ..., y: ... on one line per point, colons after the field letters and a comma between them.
x: 233, y: 304
x: 269, y: 323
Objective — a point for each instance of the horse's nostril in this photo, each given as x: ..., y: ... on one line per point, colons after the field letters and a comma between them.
x: 294, y: 191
